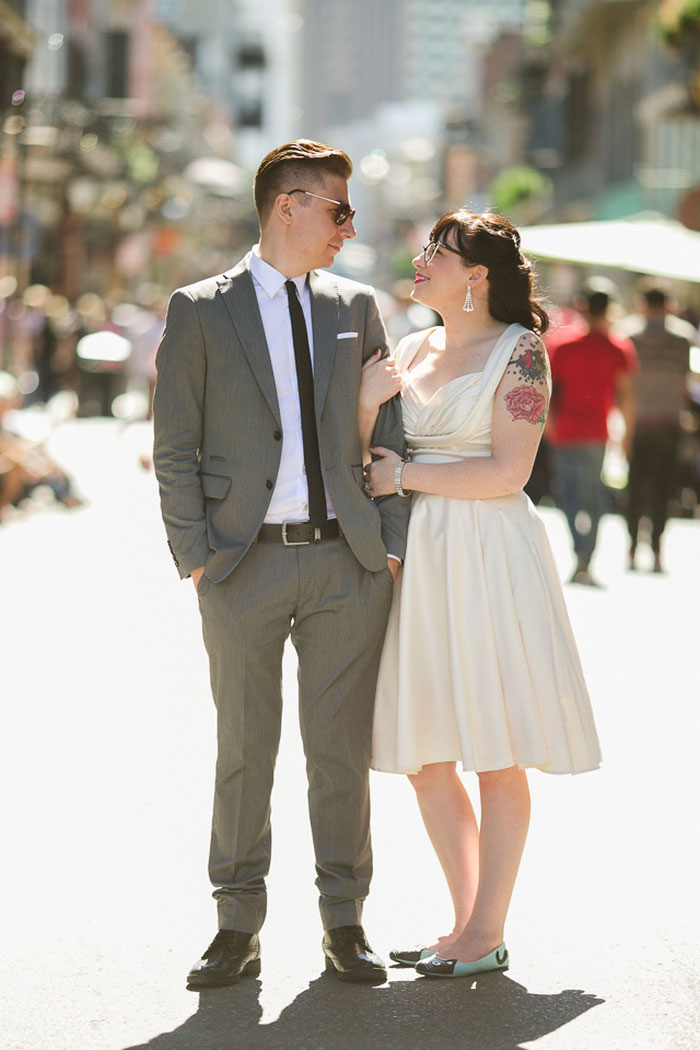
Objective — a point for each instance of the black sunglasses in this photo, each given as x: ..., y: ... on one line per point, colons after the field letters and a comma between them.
x: 430, y: 250
x: 343, y: 212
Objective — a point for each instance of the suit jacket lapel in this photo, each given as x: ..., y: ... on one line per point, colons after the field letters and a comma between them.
x: 238, y: 293
x: 324, y: 314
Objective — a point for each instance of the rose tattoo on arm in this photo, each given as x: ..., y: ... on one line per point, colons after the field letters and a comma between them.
x: 529, y: 362
x: 525, y: 403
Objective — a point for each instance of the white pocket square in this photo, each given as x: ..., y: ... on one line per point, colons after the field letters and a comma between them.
x: 346, y: 335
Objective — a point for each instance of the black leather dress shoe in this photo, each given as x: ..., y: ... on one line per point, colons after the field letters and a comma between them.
x: 230, y: 956
x: 349, y: 956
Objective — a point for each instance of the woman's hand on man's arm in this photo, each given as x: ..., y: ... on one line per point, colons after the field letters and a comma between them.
x: 380, y: 381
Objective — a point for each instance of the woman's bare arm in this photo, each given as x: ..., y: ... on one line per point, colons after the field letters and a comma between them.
x: 519, y: 414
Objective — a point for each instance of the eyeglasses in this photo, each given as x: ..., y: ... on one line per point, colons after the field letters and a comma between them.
x: 430, y: 250
x: 344, y: 212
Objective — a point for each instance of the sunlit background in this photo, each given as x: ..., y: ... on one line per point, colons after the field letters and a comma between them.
x: 131, y: 130
x: 129, y: 134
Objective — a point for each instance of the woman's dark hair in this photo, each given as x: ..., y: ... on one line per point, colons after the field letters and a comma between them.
x: 493, y: 241
x: 302, y: 163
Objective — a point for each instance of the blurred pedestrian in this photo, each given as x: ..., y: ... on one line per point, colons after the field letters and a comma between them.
x: 591, y: 374
x: 144, y: 331
x: 565, y: 323
x: 259, y: 462
x: 663, y: 344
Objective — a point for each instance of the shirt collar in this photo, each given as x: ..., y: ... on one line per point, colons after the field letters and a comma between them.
x: 270, y: 279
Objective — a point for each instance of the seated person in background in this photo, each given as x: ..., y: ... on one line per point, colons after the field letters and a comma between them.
x: 24, y: 465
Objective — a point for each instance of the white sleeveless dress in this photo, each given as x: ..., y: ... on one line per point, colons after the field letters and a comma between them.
x: 479, y: 664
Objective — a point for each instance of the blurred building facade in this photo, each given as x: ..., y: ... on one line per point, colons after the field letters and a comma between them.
x: 130, y: 128
x: 246, y: 56
x: 17, y: 42
x: 398, y: 85
x: 612, y: 109
x: 102, y: 119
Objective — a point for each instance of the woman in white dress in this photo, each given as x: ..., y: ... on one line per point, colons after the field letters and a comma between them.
x: 479, y: 665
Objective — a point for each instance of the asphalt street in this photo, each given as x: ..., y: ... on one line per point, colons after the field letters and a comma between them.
x: 107, y: 754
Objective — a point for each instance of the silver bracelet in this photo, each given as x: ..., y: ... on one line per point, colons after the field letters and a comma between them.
x: 398, y: 474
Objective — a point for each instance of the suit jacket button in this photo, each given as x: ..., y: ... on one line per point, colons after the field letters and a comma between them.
x: 268, y: 484
x: 277, y: 435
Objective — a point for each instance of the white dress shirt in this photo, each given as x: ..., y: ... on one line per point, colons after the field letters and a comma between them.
x: 290, y: 496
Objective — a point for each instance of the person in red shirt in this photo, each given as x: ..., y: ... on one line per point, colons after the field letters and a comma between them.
x: 591, y: 374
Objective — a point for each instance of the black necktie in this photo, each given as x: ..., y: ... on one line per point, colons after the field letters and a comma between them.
x: 305, y: 380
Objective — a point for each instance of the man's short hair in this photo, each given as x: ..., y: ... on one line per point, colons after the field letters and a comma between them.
x: 597, y: 303
x: 301, y: 164
x: 597, y: 294
x: 656, y: 298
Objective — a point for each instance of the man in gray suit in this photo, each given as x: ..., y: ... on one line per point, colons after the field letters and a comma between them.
x: 258, y: 458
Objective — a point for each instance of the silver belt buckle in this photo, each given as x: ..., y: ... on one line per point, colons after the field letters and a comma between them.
x: 299, y: 543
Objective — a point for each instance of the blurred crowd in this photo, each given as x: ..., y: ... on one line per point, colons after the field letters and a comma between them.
x: 97, y: 347
x: 94, y: 357
x: 623, y: 434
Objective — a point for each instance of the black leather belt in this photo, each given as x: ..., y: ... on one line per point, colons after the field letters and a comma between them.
x: 299, y: 533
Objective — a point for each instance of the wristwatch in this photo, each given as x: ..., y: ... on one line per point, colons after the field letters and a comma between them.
x: 398, y: 474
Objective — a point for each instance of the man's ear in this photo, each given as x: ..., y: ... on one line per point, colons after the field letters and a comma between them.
x: 283, y: 208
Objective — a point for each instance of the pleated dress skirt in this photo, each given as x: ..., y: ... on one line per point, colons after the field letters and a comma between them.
x: 480, y: 665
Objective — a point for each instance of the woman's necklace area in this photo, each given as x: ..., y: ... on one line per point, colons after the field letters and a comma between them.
x: 471, y: 355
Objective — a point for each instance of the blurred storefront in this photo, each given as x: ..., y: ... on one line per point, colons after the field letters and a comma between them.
x: 17, y: 42
x: 592, y: 114
x: 117, y: 173
x: 615, y: 118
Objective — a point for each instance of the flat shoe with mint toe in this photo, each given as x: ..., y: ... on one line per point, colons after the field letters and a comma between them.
x: 437, y: 967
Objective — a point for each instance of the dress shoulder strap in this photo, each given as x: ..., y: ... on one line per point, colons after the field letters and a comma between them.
x: 498, y: 361
x: 501, y: 353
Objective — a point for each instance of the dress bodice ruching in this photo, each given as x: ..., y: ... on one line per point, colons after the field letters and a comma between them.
x: 456, y: 421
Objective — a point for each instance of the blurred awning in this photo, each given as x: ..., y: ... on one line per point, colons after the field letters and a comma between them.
x: 655, y: 246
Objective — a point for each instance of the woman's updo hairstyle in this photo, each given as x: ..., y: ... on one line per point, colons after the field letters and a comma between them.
x: 493, y: 241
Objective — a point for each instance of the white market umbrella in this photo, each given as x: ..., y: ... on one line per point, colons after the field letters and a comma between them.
x: 656, y: 246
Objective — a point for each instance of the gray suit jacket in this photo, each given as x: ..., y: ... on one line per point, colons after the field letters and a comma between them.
x: 218, y: 428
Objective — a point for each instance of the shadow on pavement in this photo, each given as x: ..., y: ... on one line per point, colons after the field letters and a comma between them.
x: 491, y: 1013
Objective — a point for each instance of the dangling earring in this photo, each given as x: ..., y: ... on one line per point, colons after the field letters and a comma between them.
x: 469, y: 302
